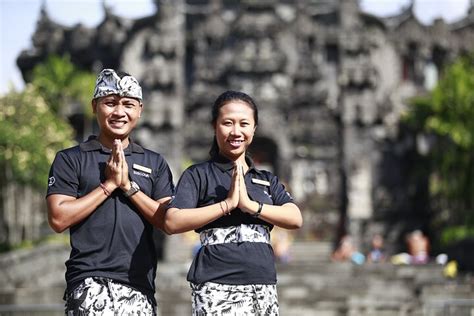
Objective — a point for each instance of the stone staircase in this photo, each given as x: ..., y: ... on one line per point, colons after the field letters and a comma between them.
x: 344, y: 289
x: 31, y: 283
x: 309, y: 252
x: 313, y: 285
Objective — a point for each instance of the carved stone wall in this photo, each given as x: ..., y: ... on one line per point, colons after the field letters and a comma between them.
x: 154, y: 52
x: 331, y: 83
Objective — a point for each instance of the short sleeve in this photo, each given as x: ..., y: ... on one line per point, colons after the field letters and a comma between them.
x: 63, y: 176
x: 163, y: 186
x: 187, y: 191
x: 279, y: 194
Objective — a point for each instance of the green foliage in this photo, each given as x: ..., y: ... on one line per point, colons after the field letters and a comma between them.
x: 30, y: 135
x: 61, y: 83
x: 453, y: 105
x: 447, y: 115
x: 62, y: 239
x: 455, y: 233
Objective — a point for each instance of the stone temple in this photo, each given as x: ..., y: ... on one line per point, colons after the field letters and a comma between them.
x: 331, y: 82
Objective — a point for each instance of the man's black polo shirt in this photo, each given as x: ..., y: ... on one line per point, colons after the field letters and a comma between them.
x: 230, y: 263
x: 115, y: 241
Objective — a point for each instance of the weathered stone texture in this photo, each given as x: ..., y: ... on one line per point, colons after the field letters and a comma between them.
x: 331, y: 82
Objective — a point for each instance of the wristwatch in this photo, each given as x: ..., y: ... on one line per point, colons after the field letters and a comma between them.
x: 134, y: 188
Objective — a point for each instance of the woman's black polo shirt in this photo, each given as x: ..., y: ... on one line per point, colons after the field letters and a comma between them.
x: 115, y: 241
x: 230, y: 263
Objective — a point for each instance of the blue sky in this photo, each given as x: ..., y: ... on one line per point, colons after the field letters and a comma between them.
x: 18, y: 20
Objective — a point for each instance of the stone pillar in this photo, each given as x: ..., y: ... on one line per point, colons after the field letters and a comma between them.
x: 155, y: 54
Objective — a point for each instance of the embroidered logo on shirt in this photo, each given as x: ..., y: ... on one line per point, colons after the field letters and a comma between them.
x: 51, y: 181
x: 141, y: 174
x: 262, y: 182
x: 142, y: 171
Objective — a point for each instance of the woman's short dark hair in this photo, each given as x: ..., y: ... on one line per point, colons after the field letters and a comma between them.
x: 223, y: 99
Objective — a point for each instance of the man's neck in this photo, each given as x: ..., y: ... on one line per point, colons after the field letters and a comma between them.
x: 109, y: 143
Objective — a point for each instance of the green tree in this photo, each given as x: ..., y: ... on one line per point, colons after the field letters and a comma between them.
x: 63, y: 85
x: 447, y: 116
x: 33, y: 128
x: 30, y: 135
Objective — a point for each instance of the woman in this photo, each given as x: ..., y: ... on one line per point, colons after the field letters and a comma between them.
x: 233, y: 206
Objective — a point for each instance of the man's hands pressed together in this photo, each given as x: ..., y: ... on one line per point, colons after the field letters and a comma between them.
x: 116, y: 170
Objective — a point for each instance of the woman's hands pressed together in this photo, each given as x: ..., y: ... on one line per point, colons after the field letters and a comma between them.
x: 232, y: 200
x: 286, y: 216
x: 238, y: 196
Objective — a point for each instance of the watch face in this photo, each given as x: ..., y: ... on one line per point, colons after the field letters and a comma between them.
x: 134, y: 188
x: 135, y: 185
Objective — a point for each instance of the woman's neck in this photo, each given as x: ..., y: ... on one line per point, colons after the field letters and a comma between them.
x: 243, y: 162
x: 241, y: 159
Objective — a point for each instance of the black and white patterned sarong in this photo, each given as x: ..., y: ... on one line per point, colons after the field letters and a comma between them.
x: 213, y: 299
x: 235, y: 234
x: 103, y: 296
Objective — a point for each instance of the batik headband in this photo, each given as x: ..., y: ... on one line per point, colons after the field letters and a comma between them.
x: 108, y: 82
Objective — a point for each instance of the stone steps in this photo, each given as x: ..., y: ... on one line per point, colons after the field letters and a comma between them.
x: 310, y: 252
x: 179, y: 248
x: 306, y: 287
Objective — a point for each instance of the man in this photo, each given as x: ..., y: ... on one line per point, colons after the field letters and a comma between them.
x: 110, y: 192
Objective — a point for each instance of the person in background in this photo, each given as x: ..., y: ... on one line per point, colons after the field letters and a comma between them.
x: 418, y: 247
x: 377, y: 252
x: 347, y: 251
x: 281, y: 243
x: 233, y: 206
x: 110, y: 193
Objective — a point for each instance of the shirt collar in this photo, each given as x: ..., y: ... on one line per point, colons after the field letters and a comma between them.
x: 225, y: 164
x: 92, y: 144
